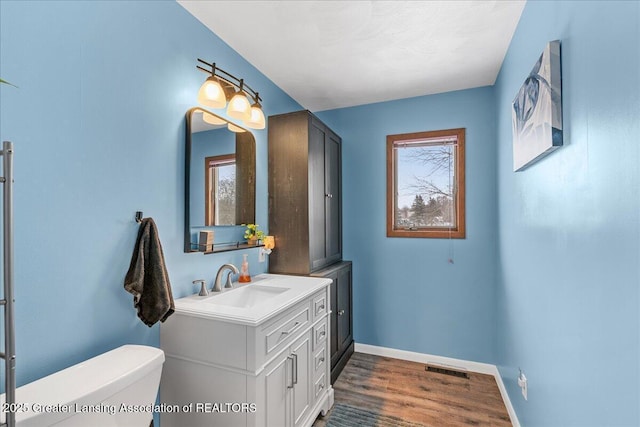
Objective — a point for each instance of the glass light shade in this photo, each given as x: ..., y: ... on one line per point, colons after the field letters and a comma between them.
x: 269, y: 242
x: 213, y: 120
x: 256, y: 119
x: 211, y: 94
x: 234, y: 128
x: 239, y: 107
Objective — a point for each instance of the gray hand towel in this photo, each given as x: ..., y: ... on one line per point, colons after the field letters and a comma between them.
x: 147, y: 278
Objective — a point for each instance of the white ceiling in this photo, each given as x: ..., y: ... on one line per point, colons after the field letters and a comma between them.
x: 332, y: 54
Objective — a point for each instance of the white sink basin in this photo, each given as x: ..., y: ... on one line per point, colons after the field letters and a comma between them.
x: 252, y: 303
x: 247, y: 296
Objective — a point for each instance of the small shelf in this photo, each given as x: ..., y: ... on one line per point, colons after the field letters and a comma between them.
x: 224, y: 247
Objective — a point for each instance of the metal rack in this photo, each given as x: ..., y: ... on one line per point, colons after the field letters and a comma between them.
x: 9, y: 354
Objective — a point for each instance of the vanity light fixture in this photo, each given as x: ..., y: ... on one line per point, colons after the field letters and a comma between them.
x: 256, y: 117
x: 215, y: 91
x: 211, y: 92
x: 239, y: 106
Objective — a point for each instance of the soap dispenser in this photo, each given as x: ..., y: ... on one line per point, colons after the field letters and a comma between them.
x: 244, y: 270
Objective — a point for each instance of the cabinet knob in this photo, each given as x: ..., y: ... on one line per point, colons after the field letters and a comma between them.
x: 329, y: 195
x: 340, y: 312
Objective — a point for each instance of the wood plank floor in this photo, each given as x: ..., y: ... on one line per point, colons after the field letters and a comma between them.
x: 406, y: 390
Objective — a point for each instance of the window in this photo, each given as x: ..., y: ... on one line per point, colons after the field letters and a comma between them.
x: 425, y: 184
x: 220, y: 190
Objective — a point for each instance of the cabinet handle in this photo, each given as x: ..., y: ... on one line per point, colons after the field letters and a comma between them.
x: 295, y: 369
x: 340, y: 312
x: 329, y: 195
x: 319, y: 362
x: 291, y: 330
x: 321, y: 335
x: 290, y: 385
x: 320, y: 308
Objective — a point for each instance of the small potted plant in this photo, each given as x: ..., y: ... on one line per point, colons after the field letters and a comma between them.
x: 252, y: 234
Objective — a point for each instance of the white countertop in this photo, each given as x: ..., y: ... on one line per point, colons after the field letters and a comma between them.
x: 297, y: 289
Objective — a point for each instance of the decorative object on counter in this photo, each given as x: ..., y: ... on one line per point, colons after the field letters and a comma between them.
x: 220, y: 86
x: 253, y: 234
x: 244, y: 270
x: 147, y: 278
x: 205, y: 241
x: 537, y: 110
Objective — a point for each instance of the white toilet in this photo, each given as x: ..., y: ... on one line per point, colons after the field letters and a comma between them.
x: 117, y: 388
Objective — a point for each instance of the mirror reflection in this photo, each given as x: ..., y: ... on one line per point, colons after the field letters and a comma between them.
x: 221, y: 174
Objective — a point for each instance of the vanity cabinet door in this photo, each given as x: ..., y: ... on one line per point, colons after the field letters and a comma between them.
x: 333, y: 319
x: 344, y: 318
x: 288, y: 385
x: 278, y: 380
x: 325, y: 242
x: 333, y: 224
x: 318, y: 196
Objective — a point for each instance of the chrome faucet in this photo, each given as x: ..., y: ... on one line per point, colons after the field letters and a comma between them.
x: 217, y: 285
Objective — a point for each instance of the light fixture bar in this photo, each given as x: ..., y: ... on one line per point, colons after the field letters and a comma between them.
x: 229, y: 78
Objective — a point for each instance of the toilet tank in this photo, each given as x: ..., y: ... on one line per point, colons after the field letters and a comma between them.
x: 116, y: 388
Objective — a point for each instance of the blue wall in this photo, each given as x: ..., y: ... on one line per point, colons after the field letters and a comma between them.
x: 406, y: 294
x: 568, y: 308
x: 98, y: 126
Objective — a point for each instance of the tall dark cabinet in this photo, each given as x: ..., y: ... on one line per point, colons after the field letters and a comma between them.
x: 305, y: 214
x: 304, y: 193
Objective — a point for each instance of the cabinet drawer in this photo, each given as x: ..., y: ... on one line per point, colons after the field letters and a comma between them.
x: 285, y: 328
x: 320, y: 334
x: 319, y: 386
x: 319, y: 305
x: 319, y: 361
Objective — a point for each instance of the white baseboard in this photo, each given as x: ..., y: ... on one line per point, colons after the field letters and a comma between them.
x: 505, y: 398
x: 464, y: 365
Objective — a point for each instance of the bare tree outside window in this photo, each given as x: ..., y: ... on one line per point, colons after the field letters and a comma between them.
x: 425, y: 184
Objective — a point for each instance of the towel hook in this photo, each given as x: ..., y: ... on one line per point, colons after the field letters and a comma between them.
x: 138, y: 216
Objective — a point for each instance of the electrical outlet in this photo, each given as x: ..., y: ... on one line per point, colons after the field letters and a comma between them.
x: 522, y: 382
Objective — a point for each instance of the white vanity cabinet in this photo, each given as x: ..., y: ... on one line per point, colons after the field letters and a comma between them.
x: 226, y: 368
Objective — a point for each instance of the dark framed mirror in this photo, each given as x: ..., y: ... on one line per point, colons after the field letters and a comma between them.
x: 220, y: 169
